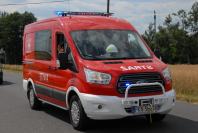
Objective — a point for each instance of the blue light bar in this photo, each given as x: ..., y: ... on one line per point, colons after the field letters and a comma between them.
x: 127, y: 84
x: 64, y: 13
x: 59, y: 13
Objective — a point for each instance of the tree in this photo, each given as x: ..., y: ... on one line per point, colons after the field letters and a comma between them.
x: 11, y: 34
x: 149, y: 35
x: 177, y: 38
x: 183, y: 19
x: 193, y: 18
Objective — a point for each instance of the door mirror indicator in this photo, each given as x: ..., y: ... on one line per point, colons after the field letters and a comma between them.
x: 57, y: 63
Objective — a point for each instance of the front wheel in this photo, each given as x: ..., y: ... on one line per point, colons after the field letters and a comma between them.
x: 155, y: 117
x: 33, y: 100
x: 78, y: 118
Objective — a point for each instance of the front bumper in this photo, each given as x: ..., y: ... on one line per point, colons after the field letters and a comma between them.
x: 112, y: 107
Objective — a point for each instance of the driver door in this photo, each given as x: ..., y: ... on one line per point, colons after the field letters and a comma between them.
x: 59, y: 77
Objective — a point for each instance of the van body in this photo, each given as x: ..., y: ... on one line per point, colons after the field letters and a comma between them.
x: 106, y: 70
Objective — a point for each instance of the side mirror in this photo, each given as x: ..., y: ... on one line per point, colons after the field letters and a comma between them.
x: 66, y: 61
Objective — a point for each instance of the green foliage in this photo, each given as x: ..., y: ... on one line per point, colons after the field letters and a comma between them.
x: 11, y: 34
x: 177, y: 39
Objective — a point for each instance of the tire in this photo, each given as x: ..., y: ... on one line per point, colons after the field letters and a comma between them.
x: 35, y: 104
x: 156, y: 117
x: 78, y: 118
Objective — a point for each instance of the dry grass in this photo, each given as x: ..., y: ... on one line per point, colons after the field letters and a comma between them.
x: 185, y: 82
x: 13, y: 67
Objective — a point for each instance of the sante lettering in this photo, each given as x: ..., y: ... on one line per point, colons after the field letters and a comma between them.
x: 128, y: 68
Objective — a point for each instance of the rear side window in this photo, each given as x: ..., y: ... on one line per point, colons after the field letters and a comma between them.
x: 28, y: 46
x: 43, y: 45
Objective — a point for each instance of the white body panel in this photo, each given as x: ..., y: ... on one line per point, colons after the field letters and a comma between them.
x: 113, y: 108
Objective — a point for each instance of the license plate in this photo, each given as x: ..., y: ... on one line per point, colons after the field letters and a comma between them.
x: 145, y: 106
x: 143, y: 109
x: 149, y: 101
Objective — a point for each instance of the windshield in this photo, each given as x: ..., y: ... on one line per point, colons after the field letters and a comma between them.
x: 110, y: 44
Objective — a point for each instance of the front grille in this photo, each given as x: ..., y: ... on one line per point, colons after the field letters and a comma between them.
x: 140, y: 78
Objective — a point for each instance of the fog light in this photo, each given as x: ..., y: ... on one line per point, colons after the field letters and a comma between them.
x: 99, y: 106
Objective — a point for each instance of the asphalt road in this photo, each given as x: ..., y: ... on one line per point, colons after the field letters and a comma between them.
x: 17, y: 117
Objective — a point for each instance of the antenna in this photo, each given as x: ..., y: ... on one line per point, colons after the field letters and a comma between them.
x: 108, y: 4
x: 155, y: 21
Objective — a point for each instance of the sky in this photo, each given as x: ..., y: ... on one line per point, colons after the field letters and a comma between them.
x: 137, y: 12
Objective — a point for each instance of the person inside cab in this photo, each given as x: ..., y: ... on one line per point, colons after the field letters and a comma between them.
x: 62, y: 56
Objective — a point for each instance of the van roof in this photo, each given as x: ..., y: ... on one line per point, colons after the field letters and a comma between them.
x: 88, y: 22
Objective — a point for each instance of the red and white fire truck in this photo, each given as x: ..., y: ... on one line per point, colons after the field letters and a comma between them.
x: 96, y: 66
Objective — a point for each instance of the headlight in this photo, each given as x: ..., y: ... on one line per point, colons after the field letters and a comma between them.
x: 166, y: 74
x: 97, y: 77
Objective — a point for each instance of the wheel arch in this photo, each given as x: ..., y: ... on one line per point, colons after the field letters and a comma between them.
x: 72, y: 90
x: 30, y: 82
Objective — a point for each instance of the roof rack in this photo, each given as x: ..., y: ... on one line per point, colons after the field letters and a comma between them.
x: 68, y: 13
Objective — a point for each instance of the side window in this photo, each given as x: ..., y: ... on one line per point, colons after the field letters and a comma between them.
x: 28, y: 43
x: 43, y: 45
x: 61, y: 43
x: 65, y: 59
x: 28, y: 46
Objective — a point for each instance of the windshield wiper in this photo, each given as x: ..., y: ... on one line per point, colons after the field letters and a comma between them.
x: 91, y: 57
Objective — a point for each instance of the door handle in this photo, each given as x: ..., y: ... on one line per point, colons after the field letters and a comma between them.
x: 52, y: 68
x: 27, y: 62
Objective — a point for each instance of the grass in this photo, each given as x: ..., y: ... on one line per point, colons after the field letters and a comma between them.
x: 185, y: 80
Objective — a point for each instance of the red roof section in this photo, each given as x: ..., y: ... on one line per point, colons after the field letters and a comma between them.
x: 89, y: 22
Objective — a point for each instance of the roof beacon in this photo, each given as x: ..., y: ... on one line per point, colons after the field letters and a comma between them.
x: 64, y: 13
